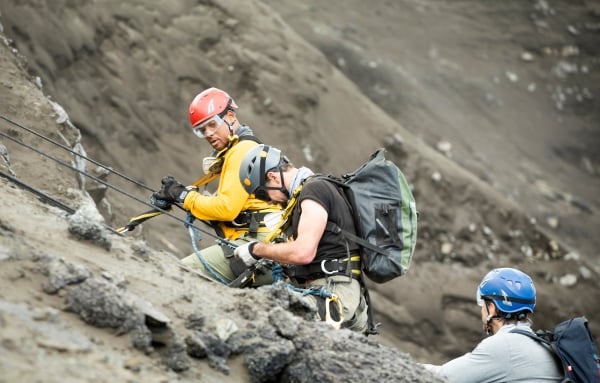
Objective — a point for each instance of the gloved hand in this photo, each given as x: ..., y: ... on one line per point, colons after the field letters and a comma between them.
x: 244, y: 253
x: 170, y: 192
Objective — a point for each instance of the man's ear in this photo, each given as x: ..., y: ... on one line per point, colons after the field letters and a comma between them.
x: 229, y: 117
x: 491, y: 308
x: 273, y: 176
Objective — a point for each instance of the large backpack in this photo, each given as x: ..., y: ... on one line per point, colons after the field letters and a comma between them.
x: 573, y: 345
x: 385, y: 216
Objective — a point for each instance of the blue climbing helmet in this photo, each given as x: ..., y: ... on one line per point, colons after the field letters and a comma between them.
x: 511, y: 290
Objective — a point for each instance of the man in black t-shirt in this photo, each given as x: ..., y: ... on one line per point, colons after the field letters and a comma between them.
x: 315, y: 258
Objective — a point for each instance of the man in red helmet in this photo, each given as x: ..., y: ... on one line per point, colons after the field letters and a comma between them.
x: 233, y: 213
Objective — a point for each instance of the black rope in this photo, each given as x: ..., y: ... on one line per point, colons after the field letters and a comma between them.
x: 46, y: 197
x: 74, y: 152
x: 63, y: 163
x: 165, y: 212
x: 40, y: 193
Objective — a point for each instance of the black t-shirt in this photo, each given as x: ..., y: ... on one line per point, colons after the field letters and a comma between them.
x: 326, y: 194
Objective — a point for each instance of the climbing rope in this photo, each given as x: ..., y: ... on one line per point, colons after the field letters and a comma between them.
x: 278, y: 276
x: 277, y: 272
x: 12, y: 122
x: 322, y: 291
x: 46, y: 197
x: 195, y: 236
x: 63, y: 163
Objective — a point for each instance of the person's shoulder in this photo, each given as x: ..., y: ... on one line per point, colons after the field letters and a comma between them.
x: 496, y: 341
x: 319, y: 185
x: 249, y: 137
x: 244, y: 145
x: 315, y: 181
x: 504, y: 340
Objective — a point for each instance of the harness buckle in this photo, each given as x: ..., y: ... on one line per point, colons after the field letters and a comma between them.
x: 324, y: 269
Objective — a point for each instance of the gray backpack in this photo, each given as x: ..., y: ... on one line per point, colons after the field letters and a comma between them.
x: 385, y: 215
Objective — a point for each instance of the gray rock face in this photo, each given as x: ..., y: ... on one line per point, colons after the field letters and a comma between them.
x: 62, y: 273
x: 87, y: 224
x: 102, y: 304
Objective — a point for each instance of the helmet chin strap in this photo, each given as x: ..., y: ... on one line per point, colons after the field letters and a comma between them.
x: 232, y: 137
x: 487, y: 326
x: 283, y: 189
x: 230, y: 126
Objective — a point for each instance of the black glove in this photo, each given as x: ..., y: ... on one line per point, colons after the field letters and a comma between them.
x: 170, y: 192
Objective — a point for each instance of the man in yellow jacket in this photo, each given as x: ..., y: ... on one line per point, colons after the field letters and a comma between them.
x: 231, y: 211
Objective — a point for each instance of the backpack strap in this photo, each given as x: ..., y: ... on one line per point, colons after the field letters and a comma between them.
x: 334, y: 228
x: 539, y: 337
x: 534, y: 336
x: 245, y: 137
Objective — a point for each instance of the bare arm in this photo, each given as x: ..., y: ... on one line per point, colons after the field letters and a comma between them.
x: 303, y: 249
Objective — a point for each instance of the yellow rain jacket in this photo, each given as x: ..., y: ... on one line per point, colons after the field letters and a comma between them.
x: 230, y: 199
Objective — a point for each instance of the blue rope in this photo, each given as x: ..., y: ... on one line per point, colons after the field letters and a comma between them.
x: 276, y: 272
x: 317, y: 291
x: 195, y: 235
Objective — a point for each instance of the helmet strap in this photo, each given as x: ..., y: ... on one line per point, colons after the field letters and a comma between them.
x: 230, y: 126
x: 283, y: 189
x: 487, y: 327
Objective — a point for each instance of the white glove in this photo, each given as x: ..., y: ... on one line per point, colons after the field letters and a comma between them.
x: 244, y: 252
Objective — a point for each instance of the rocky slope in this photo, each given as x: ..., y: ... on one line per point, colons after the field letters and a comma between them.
x: 124, y: 74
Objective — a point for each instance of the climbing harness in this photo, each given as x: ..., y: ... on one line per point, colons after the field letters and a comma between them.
x: 280, y: 228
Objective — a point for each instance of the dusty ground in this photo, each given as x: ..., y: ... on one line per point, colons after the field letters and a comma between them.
x: 482, y: 108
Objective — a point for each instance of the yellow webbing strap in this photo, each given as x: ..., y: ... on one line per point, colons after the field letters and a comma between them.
x: 354, y: 258
x: 284, y: 222
x: 215, y: 169
x: 133, y: 222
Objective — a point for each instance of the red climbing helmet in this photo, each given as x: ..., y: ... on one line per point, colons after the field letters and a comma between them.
x: 209, y: 103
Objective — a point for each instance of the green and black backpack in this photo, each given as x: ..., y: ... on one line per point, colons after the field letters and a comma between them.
x: 385, y: 216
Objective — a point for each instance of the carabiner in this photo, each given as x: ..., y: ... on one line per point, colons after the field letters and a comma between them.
x: 337, y: 324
